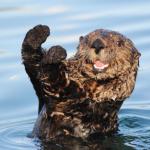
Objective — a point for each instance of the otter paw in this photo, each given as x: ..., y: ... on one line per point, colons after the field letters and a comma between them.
x: 55, y: 55
x: 36, y: 36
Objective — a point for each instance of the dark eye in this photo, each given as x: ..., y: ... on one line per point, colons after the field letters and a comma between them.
x: 86, y: 40
x: 81, y: 38
x: 120, y: 43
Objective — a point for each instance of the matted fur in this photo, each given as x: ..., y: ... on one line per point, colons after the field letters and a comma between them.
x: 74, y: 98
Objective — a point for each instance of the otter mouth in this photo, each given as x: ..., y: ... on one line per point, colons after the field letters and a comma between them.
x: 99, y: 65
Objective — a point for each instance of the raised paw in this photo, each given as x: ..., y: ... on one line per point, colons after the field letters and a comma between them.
x: 54, y: 55
x: 36, y: 36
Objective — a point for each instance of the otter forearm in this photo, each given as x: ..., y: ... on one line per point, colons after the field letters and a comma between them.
x: 53, y: 79
x: 31, y: 57
x: 32, y: 54
x: 53, y: 71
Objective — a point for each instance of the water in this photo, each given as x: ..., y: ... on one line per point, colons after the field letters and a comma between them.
x: 68, y: 20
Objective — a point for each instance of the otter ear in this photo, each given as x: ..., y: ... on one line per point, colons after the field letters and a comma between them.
x: 137, y: 54
x: 81, y: 38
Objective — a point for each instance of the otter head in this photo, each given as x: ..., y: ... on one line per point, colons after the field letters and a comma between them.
x: 106, y: 54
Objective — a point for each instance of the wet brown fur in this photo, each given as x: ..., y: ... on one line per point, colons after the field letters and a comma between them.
x: 75, y: 99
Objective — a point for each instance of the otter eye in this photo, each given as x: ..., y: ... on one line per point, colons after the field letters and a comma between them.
x: 81, y: 38
x: 120, y: 43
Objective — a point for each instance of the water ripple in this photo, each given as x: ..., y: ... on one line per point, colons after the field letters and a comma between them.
x: 131, y: 127
x: 13, y: 135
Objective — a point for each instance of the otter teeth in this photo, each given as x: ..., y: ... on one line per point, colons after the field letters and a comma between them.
x: 101, y: 67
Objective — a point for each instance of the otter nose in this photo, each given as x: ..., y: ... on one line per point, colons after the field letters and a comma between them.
x: 97, y: 45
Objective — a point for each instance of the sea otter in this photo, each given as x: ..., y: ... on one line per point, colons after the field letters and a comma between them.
x: 81, y: 95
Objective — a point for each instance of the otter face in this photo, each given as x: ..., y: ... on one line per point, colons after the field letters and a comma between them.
x: 106, y: 54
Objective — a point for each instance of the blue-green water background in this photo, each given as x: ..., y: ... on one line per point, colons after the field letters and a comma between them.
x: 68, y: 20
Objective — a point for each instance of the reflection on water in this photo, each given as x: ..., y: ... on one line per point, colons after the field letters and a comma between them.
x: 101, y: 143
x: 68, y: 20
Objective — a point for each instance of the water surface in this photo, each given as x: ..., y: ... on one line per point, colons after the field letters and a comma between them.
x: 68, y: 20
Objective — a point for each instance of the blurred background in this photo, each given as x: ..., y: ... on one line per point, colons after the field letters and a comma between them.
x: 68, y: 20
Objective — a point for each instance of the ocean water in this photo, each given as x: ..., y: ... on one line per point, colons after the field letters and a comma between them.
x: 68, y: 20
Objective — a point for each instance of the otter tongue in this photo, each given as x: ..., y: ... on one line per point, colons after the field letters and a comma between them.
x: 99, y: 65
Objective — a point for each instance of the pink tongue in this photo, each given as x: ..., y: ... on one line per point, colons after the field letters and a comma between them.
x: 98, y: 63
